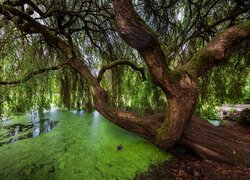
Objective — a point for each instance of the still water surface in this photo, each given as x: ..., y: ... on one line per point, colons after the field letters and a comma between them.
x: 72, y: 145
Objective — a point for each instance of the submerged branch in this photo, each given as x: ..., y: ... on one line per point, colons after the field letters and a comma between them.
x: 33, y: 74
x: 117, y: 63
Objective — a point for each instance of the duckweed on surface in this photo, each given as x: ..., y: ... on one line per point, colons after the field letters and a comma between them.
x: 82, y: 146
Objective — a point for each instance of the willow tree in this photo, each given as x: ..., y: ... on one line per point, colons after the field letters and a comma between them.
x: 178, y: 41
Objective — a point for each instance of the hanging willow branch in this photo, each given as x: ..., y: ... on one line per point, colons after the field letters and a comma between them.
x: 33, y: 74
x: 117, y: 63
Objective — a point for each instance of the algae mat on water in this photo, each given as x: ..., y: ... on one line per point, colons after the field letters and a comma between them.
x: 82, y: 146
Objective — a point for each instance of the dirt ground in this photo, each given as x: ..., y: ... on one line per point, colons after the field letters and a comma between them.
x: 189, y: 166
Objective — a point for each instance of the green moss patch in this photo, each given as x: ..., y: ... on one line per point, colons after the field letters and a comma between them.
x: 82, y: 146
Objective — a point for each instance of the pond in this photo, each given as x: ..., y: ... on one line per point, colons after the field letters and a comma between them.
x: 79, y: 145
x: 24, y: 127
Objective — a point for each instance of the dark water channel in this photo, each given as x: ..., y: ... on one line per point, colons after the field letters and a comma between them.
x: 36, y: 125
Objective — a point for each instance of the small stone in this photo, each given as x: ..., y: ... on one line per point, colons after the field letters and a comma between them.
x: 119, y: 147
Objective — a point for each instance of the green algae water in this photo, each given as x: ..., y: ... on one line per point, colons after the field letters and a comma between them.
x: 81, y: 146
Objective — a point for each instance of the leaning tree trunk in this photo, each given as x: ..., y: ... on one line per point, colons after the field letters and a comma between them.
x: 179, y: 111
x: 216, y: 143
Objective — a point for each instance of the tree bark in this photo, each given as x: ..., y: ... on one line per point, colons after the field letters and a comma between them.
x: 205, y: 139
x: 180, y: 109
x: 216, y: 143
x: 179, y: 87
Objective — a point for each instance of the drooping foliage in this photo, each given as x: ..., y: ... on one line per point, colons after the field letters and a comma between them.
x: 224, y: 85
x: 183, y: 27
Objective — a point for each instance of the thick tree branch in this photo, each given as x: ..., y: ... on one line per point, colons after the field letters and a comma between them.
x: 218, y: 50
x: 180, y: 87
x: 40, y: 28
x: 185, y: 36
x: 132, y: 121
x: 138, y: 35
x: 117, y: 63
x: 33, y: 74
x: 216, y: 143
x: 177, y: 86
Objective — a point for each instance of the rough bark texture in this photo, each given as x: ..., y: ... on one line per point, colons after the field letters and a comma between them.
x: 179, y: 87
x: 181, y: 91
x: 217, y: 51
x: 180, y: 110
x: 216, y: 143
x: 139, y: 36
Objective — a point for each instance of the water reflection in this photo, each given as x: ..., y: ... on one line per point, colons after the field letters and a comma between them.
x: 37, y: 126
x: 15, y: 133
x: 40, y: 124
x: 43, y: 126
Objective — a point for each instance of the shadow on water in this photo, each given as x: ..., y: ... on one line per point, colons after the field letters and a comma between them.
x: 18, y: 131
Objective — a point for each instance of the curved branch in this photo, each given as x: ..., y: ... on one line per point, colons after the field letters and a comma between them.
x: 144, y: 125
x: 138, y: 35
x: 38, y: 27
x: 231, y: 16
x: 33, y: 74
x: 177, y: 86
x: 218, y: 50
x: 117, y: 63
